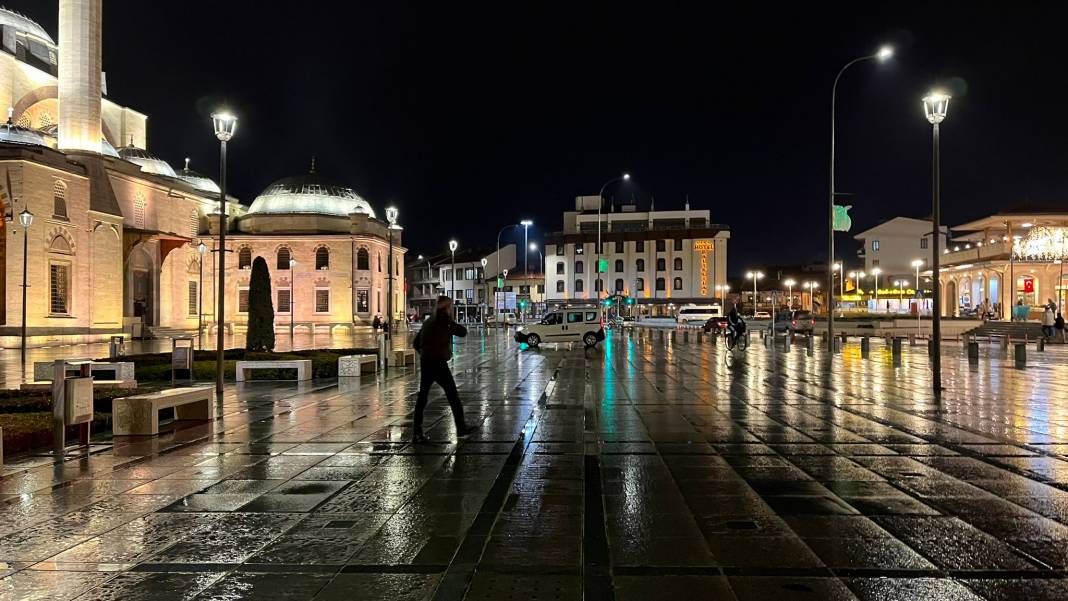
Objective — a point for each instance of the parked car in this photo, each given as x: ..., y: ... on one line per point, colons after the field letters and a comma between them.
x: 565, y: 325
x: 715, y: 325
x: 762, y: 315
x: 506, y: 319
x: 797, y: 322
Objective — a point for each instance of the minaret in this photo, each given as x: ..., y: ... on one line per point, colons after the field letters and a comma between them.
x: 80, y: 67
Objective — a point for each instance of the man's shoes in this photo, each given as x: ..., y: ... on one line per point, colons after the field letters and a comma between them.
x: 419, y: 438
x: 465, y: 431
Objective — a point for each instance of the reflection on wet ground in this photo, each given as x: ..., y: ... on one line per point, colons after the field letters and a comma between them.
x: 642, y: 470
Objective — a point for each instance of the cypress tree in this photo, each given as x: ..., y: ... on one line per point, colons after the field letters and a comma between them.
x: 260, y: 336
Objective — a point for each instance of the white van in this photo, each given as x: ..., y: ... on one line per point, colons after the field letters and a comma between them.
x: 565, y: 325
x: 701, y: 313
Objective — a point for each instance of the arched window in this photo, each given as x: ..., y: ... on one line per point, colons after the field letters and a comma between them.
x: 284, y: 255
x: 560, y: 268
x: 59, y: 199
x: 244, y: 258
x: 578, y: 285
x: 639, y: 265
x: 678, y: 284
x: 661, y: 284
x: 560, y: 286
x: 379, y: 262
x: 363, y: 260
x: 639, y: 284
x: 60, y: 245
x: 59, y: 278
x: 678, y: 264
x: 619, y: 285
x: 322, y: 258
x: 579, y: 267
x: 619, y: 265
x: 661, y: 264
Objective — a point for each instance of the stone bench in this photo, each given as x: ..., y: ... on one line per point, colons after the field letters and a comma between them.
x: 124, y: 370
x: 101, y: 384
x: 139, y: 415
x: 354, y: 366
x: 303, y: 367
x: 402, y: 357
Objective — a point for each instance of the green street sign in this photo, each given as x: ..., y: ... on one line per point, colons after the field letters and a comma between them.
x: 602, y: 266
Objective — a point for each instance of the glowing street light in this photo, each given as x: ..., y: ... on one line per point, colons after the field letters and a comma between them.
x: 811, y: 287
x: 875, y: 274
x: 790, y: 283
x: 453, y: 245
x: 225, y: 126
x: 26, y: 219
x: 600, y: 202
x: 391, y: 217
x: 755, y: 276
x: 935, y: 108
x: 526, y: 223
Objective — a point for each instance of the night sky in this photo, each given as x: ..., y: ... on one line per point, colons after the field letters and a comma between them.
x: 469, y: 116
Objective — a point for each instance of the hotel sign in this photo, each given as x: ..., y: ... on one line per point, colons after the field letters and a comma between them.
x: 704, y: 247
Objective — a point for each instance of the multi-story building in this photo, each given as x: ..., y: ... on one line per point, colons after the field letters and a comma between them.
x: 893, y: 245
x: 656, y: 257
x: 440, y: 275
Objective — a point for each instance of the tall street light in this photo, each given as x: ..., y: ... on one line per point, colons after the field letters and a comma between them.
x: 503, y: 230
x: 391, y: 218
x: 541, y: 257
x: 453, y: 244
x: 790, y: 283
x: 916, y: 264
x: 755, y: 276
x: 935, y: 107
x: 486, y: 298
x: 875, y: 274
x: 884, y: 53
x: 600, y: 202
x: 811, y: 287
x: 293, y: 306
x: 26, y: 219
x: 202, y: 249
x: 526, y: 223
x: 838, y: 267
x: 225, y: 125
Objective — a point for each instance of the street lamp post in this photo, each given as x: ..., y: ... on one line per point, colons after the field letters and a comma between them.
x: 453, y: 244
x: 935, y: 107
x: 600, y: 202
x: 884, y: 53
x: 503, y: 229
x: 526, y: 223
x: 916, y: 264
x: 292, y: 304
x: 875, y: 274
x: 26, y: 219
x: 811, y: 287
x: 203, y: 250
x: 755, y: 276
x: 225, y: 125
x: 485, y: 299
x: 838, y: 267
x: 790, y: 285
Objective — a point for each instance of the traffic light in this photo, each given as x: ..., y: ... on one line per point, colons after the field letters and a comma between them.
x: 630, y: 301
x: 602, y: 266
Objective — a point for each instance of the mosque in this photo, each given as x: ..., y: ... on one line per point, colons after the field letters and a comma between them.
x: 120, y: 242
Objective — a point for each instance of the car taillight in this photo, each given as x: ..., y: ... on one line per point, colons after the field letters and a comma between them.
x: 794, y: 322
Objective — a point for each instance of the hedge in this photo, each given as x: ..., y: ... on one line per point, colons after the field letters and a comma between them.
x: 156, y: 367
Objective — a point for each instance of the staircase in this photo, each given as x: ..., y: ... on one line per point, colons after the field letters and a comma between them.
x: 1015, y: 330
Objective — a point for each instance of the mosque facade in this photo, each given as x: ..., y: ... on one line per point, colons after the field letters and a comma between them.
x: 121, y: 242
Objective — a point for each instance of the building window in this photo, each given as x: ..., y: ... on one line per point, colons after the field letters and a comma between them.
x: 285, y: 297
x: 678, y: 244
x: 875, y: 246
x: 580, y: 267
x: 639, y: 265
x: 139, y: 210
x: 560, y: 268
x: 619, y: 265
x: 59, y: 200
x: 560, y: 286
x: 661, y: 264
x: 598, y: 285
x: 678, y: 284
x: 194, y: 224
x: 322, y: 258
x: 363, y: 260
x: 578, y: 285
x: 660, y: 246
x: 244, y: 258
x: 322, y: 300
x: 559, y: 250
x: 541, y: 288
x: 363, y: 301
x: 242, y: 300
x: 379, y: 262
x: 459, y: 274
x: 678, y: 263
x: 59, y: 288
x: 619, y: 285
x: 192, y: 299
x: 284, y: 255
x: 524, y: 290
x: 639, y: 246
x: 660, y: 284
x: 639, y: 284
x: 469, y: 274
x: 619, y: 247
x: 923, y: 243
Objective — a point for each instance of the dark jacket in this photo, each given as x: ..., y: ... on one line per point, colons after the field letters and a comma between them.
x: 434, y: 340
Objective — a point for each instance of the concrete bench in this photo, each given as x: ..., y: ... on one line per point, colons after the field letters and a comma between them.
x: 402, y: 357
x: 354, y: 366
x: 303, y: 367
x: 101, y: 384
x: 139, y: 415
x: 123, y: 370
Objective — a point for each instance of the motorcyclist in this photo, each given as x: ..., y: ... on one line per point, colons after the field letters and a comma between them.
x: 735, y: 324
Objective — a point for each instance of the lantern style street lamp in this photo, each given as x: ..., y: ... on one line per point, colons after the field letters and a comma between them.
x: 453, y: 245
x: 391, y: 218
x: 875, y: 274
x: 485, y: 300
x: 790, y: 283
x: 26, y: 219
x: 202, y: 250
x: 935, y: 108
x: 225, y: 125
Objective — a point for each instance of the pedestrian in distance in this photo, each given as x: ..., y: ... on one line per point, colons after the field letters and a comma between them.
x: 376, y: 323
x: 434, y: 345
x: 1058, y: 325
x: 1048, y: 322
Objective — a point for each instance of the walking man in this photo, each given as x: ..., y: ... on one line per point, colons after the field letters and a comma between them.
x: 434, y: 344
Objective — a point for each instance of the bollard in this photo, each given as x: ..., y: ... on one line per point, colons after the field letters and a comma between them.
x: 1041, y: 345
x: 865, y: 347
x: 686, y: 336
x: 1005, y: 342
x: 672, y: 335
x: 845, y: 338
x: 787, y: 342
x: 896, y: 351
x: 973, y: 352
x: 930, y: 347
x: 810, y: 345
x: 660, y: 335
x: 838, y: 343
x: 912, y: 340
x: 1021, y: 355
x: 768, y: 341
x: 700, y: 337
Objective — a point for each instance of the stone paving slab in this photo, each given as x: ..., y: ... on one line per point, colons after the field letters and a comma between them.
x: 643, y: 469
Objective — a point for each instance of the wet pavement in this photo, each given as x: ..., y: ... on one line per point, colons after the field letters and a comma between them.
x: 642, y: 470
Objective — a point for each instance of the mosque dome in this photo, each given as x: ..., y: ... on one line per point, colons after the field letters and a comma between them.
x: 198, y: 181
x: 18, y: 22
x: 9, y: 132
x: 148, y: 162
x: 51, y: 134
x: 309, y: 194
